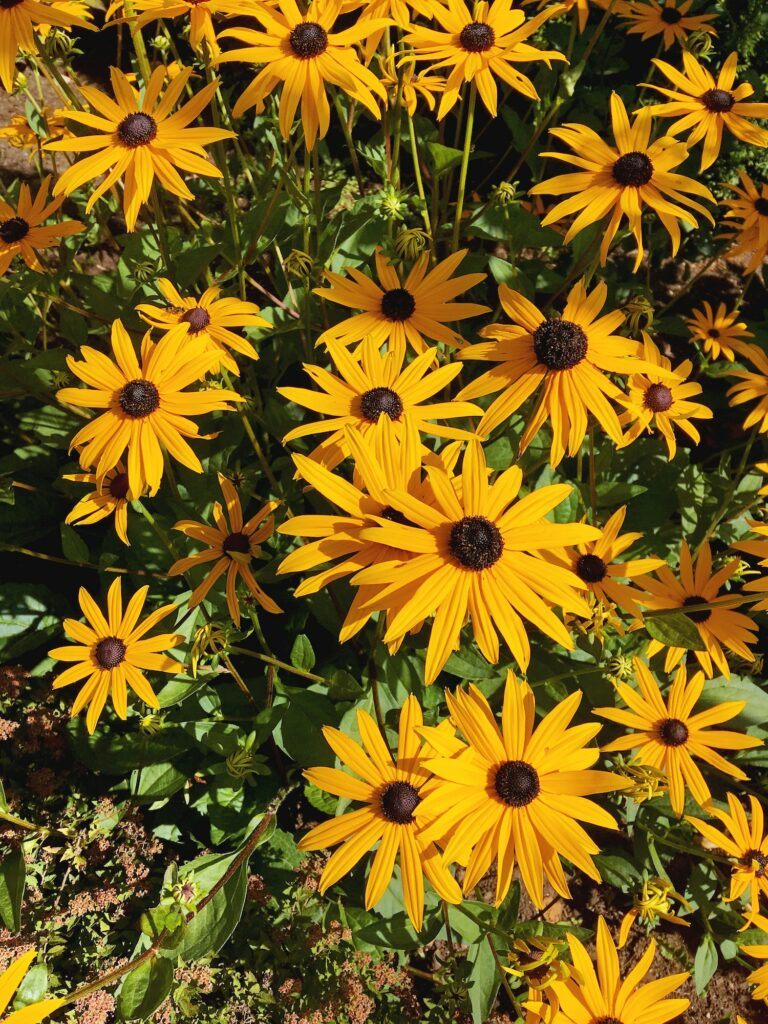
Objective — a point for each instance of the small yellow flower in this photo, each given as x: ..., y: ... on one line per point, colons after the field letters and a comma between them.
x: 654, y: 903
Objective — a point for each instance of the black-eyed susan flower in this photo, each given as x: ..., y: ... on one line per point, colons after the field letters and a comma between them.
x: 410, y: 84
x: 707, y: 105
x: 208, y: 320
x: 19, y: 20
x: 139, y: 139
x: 404, y: 311
x: 671, y: 20
x: 305, y: 52
x: 199, y: 12
x: 10, y: 980
x: 603, y: 996
x: 758, y: 977
x: 721, y: 333
x: 654, y: 902
x: 392, y: 791
x: 515, y: 795
x: 232, y: 546
x: 668, y: 735
x: 478, y: 555
x: 23, y: 229
x: 719, y: 627
x: 20, y: 134
x: 599, y: 566
x: 746, y: 222
x: 480, y: 46
x: 538, y: 961
x: 756, y: 544
x: 622, y: 180
x: 582, y: 8
x: 662, y: 400
x: 378, y: 385
x: 146, y: 408
x: 113, y: 652
x: 109, y: 497
x: 744, y: 840
x: 752, y: 386
x: 568, y: 356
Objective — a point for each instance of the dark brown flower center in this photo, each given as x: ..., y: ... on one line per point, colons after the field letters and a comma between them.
x: 137, y: 130
x: 670, y: 15
x: 719, y: 101
x: 309, y: 40
x: 197, y: 318
x: 633, y: 169
x: 118, y: 485
x: 381, y: 400
x: 398, y: 304
x: 237, y: 542
x: 752, y: 856
x: 608, y: 1020
x: 713, y: 332
x: 517, y: 783
x: 139, y: 398
x: 477, y: 37
x: 8, y: 4
x: 394, y: 516
x: 761, y: 205
x: 398, y: 802
x: 559, y: 344
x: 658, y: 398
x: 13, y: 230
x: 591, y: 568
x: 110, y: 652
x: 476, y: 542
x: 673, y: 732
x: 702, y: 614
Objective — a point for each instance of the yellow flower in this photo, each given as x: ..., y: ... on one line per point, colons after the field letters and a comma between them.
x: 391, y: 791
x: 139, y: 138
x: 583, y: 7
x: 207, y: 320
x: 305, y: 53
x: 402, y: 312
x: 670, y: 20
x: 758, y: 548
x: 232, y: 545
x: 200, y: 13
x: 19, y: 134
x: 721, y: 333
x: 145, y: 406
x: 746, y: 222
x: 410, y: 83
x: 658, y: 400
x: 707, y: 105
x: 669, y: 736
x: 10, y: 980
x: 19, y: 20
x: 516, y: 794
x: 478, y: 555
x: 752, y: 387
x: 478, y: 46
x: 758, y: 977
x: 23, y: 230
x: 110, y: 497
x: 622, y: 180
x: 654, y: 903
x: 113, y: 652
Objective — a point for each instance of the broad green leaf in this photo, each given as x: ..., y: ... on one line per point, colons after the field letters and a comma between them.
x: 302, y: 655
x: 483, y: 980
x: 156, y: 782
x: 675, y: 630
x: 442, y: 158
x: 145, y: 988
x: 209, y: 929
x: 704, y: 963
x: 12, y: 882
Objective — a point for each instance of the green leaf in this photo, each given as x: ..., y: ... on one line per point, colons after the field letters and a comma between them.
x: 618, y: 871
x: 209, y: 930
x: 675, y: 630
x: 145, y: 988
x: 442, y: 158
x: 157, y: 782
x: 12, y: 881
x: 73, y: 546
x: 704, y: 963
x: 483, y: 980
x: 302, y: 655
x: 755, y: 711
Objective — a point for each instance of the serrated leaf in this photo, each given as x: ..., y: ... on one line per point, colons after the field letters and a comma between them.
x: 675, y: 630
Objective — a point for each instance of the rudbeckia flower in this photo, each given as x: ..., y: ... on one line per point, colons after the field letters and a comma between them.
x: 621, y: 180
x: 146, y: 408
x: 602, y: 995
x: 745, y: 842
x: 19, y: 20
x: 23, y: 230
x: 669, y: 736
x: 305, y: 53
x: 516, y: 794
x: 391, y: 790
x: 758, y: 548
x: 583, y: 7
x: 207, y: 320
x: 376, y: 386
x: 720, y: 333
x: 478, y: 46
x: 718, y: 627
x: 662, y: 400
x: 707, y: 105
x: 113, y: 652
x: 139, y: 138
x: 758, y: 977
x: 110, y: 497
x: 232, y: 546
x: 409, y: 83
x: 752, y: 387
x: 10, y: 980
x: 477, y: 554
x: 671, y: 20
x: 569, y: 356
x: 402, y: 312
x: 200, y: 13
x: 746, y: 222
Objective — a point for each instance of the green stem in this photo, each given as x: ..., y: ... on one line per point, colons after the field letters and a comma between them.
x: 419, y: 179
x: 464, y: 164
x: 162, y: 230
x: 349, y: 141
x: 276, y: 663
x: 138, y: 41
